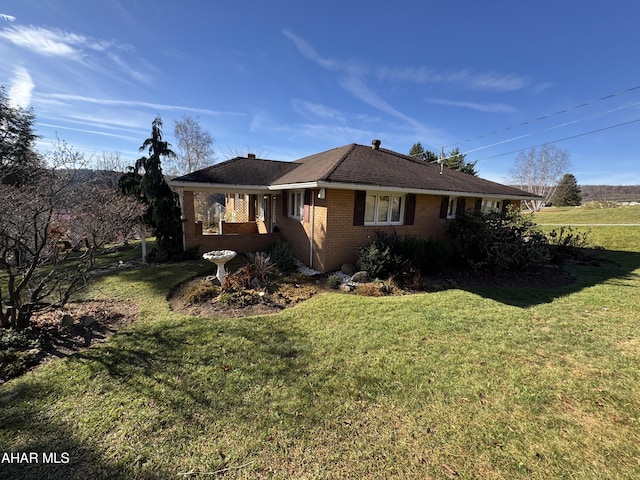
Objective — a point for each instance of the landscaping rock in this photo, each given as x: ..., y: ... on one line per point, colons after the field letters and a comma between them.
x: 360, y: 277
x: 348, y: 269
x: 348, y: 287
x: 87, y: 320
x: 66, y: 320
x: 255, y: 283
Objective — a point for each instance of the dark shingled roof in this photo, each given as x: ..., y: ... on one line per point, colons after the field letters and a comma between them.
x: 240, y: 171
x: 351, y: 164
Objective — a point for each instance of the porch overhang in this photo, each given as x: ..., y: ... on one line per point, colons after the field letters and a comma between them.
x: 219, y: 187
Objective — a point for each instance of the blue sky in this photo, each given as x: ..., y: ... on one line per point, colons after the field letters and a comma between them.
x: 286, y: 79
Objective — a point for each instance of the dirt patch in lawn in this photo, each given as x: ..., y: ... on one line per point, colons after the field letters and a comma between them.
x: 63, y: 332
x: 90, y: 322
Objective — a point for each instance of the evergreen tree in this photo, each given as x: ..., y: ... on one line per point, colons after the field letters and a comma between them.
x: 163, y: 213
x: 454, y: 160
x: 419, y: 152
x: 567, y: 192
x: 18, y: 159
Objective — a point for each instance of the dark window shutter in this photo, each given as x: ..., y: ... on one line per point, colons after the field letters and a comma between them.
x: 444, y: 206
x: 461, y: 204
x: 307, y: 206
x: 505, y: 205
x: 478, y: 206
x: 285, y: 198
x: 358, y: 208
x: 410, y: 210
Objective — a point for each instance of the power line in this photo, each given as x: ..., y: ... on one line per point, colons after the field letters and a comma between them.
x: 544, y: 117
x: 560, y: 139
x: 520, y: 137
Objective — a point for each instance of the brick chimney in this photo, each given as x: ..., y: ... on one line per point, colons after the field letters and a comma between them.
x: 251, y: 155
x: 376, y: 144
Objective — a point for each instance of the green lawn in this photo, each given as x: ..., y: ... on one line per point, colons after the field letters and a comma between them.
x: 578, y: 215
x: 486, y: 384
x: 604, y: 224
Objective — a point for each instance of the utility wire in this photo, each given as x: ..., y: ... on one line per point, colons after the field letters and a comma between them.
x: 560, y: 139
x: 544, y: 117
x: 519, y: 137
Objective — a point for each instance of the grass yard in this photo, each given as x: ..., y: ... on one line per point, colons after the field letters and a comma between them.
x: 483, y: 384
x: 613, y: 228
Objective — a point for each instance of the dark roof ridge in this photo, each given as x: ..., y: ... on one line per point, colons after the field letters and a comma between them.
x: 351, y: 148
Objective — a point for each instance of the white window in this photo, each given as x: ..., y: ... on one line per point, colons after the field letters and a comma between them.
x: 296, y: 204
x: 491, y: 205
x: 383, y: 209
x: 451, y: 208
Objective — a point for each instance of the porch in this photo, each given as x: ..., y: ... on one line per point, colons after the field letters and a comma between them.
x: 247, y: 225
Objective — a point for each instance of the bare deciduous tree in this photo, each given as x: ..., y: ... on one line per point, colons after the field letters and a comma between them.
x: 51, y: 231
x: 195, y: 147
x: 539, y: 172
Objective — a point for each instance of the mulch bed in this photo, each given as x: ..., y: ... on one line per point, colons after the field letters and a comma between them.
x: 288, y: 294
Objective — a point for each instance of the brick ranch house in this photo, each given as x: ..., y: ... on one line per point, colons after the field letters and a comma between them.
x: 329, y: 204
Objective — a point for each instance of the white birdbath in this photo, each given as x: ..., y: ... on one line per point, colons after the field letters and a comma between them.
x: 220, y: 257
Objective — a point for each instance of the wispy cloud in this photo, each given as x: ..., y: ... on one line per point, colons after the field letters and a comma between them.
x: 82, y: 130
x: 480, y: 107
x: 318, y: 110
x: 45, y: 41
x: 487, y: 81
x: 310, y: 53
x: 134, y: 103
x: 95, y: 54
x: 7, y: 18
x: 359, y: 89
x: 365, y: 82
x: 21, y: 87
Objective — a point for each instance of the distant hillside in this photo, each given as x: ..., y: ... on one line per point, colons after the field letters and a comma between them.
x: 612, y: 193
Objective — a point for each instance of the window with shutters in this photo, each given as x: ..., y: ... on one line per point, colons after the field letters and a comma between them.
x: 384, y: 209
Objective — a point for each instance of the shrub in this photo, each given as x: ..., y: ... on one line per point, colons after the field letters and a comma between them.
x: 568, y: 237
x: 430, y: 256
x: 201, y: 291
x: 378, y: 289
x: 238, y: 298
x: 499, y: 241
x: 600, y: 204
x: 334, y: 281
x: 404, y: 257
x: 238, y: 281
x: 19, y: 350
x: 282, y: 255
x: 261, y: 265
x: 376, y: 258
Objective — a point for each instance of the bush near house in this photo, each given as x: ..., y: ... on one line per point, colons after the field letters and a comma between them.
x: 404, y: 257
x: 499, y: 241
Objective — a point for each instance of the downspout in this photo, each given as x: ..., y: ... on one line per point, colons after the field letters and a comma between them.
x: 313, y: 228
x: 183, y: 219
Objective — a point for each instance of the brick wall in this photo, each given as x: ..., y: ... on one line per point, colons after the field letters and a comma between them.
x: 343, y: 238
x: 239, y: 227
x: 297, y: 233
